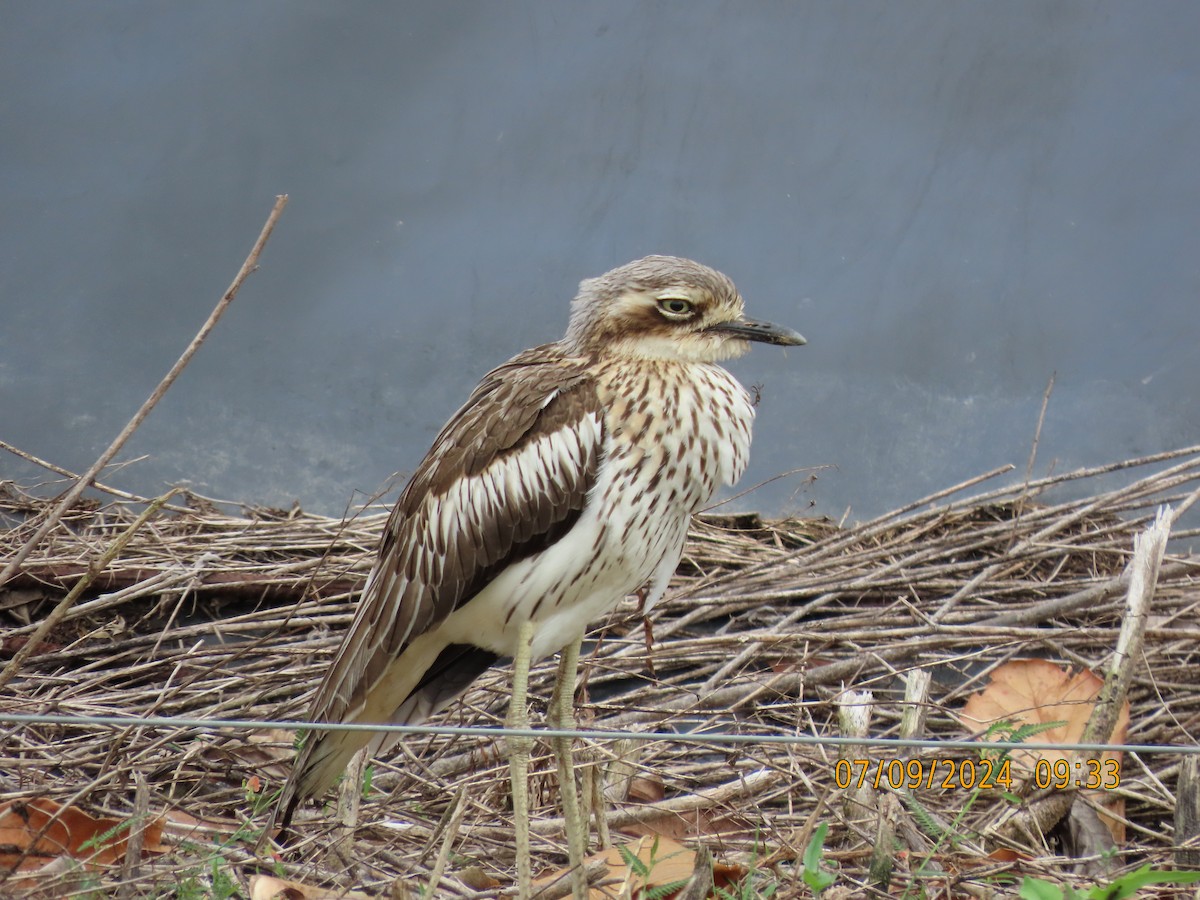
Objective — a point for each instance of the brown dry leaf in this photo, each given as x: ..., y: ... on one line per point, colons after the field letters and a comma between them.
x: 268, y: 887
x: 26, y: 830
x: 9, y: 647
x: 675, y: 827
x: 1036, y: 691
x: 666, y: 859
x: 477, y: 879
x: 645, y: 789
x: 726, y: 875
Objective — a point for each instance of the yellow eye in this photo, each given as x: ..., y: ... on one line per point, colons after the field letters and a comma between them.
x: 675, y: 307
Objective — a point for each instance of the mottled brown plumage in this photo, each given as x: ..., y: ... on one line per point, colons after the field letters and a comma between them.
x: 564, y: 483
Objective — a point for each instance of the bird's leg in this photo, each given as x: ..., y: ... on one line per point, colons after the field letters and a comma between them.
x: 518, y: 758
x: 562, y: 708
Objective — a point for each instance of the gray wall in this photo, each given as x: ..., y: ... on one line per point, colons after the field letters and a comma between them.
x: 951, y: 200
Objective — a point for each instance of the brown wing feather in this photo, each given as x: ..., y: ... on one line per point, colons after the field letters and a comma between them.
x: 443, y: 543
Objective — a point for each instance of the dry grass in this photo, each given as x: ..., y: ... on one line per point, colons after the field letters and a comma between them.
x: 210, y: 612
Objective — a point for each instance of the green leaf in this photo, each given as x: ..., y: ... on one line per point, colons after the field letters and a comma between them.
x: 1128, y: 885
x: 1037, y: 889
x: 633, y: 862
x: 816, y: 878
x: 367, y: 778
x: 816, y: 846
x: 927, y: 822
x: 666, y: 890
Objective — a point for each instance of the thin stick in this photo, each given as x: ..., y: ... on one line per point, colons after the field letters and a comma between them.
x: 459, y: 808
x: 1019, y: 506
x: 137, y: 835
x: 69, y: 498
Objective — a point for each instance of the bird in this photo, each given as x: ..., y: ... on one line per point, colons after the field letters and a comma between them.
x: 566, y: 482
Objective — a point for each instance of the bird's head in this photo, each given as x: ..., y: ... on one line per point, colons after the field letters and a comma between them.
x: 665, y: 307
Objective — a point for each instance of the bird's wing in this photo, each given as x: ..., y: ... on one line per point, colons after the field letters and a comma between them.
x: 506, y: 477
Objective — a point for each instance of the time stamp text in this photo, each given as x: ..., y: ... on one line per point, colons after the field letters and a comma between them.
x: 975, y: 774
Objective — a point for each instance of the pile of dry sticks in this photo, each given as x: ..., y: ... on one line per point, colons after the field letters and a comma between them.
x: 208, y: 611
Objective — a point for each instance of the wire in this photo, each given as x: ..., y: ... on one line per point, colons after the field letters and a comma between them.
x: 694, y: 737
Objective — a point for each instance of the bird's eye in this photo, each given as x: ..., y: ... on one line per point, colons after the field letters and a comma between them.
x: 675, y: 307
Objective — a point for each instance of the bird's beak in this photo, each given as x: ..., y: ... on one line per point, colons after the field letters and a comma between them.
x: 764, y: 332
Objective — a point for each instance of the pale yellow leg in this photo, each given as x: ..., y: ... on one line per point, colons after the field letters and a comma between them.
x: 518, y: 759
x: 562, y: 709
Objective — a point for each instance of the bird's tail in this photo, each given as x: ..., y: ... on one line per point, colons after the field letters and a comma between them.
x: 309, y: 778
x: 325, y: 755
x: 321, y: 760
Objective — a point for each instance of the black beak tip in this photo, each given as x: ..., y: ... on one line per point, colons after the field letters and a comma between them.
x: 792, y: 338
x: 763, y: 333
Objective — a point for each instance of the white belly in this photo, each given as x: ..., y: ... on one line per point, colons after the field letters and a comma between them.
x: 634, y: 524
x: 565, y: 587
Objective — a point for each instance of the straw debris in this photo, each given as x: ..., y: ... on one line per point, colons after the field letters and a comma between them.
x: 214, y: 611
